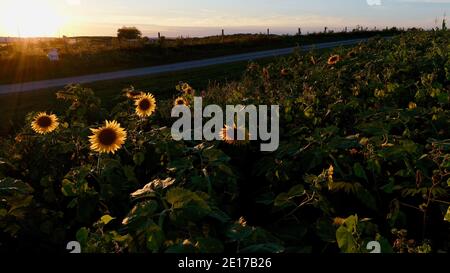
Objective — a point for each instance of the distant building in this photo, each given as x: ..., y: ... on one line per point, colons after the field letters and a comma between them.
x: 53, y: 55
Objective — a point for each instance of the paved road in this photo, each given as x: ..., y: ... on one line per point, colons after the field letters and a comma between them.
x: 29, y: 86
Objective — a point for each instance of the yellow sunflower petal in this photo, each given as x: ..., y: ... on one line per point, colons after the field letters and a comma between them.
x: 145, y: 105
x: 43, y: 123
x: 108, y: 139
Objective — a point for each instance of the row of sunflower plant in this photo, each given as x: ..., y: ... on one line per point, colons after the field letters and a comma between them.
x: 363, y: 156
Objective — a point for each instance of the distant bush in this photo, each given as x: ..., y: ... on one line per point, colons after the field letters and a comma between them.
x: 129, y: 33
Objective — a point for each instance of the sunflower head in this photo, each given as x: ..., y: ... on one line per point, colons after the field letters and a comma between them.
x: 145, y: 105
x: 107, y: 139
x: 242, y: 222
x: 351, y: 54
x: 19, y: 138
x: 334, y: 59
x: 229, y: 134
x: 189, y: 91
x: 44, y: 124
x: 185, y: 88
x: 180, y: 101
x: 284, y: 72
x: 412, y: 106
x: 330, y: 173
x: 338, y: 221
x: 187, y: 242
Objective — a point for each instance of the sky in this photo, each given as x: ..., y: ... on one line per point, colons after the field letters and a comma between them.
x: 207, y: 17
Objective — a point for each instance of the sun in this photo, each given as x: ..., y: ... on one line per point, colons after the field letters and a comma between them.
x: 30, y: 18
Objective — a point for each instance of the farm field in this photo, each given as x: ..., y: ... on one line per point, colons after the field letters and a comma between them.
x: 26, y: 60
x: 16, y: 106
x: 363, y: 156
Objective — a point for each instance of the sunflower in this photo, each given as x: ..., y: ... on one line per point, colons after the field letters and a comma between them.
x: 284, y: 72
x: 187, y: 89
x: 19, y: 138
x: 412, y: 106
x: 180, y: 101
x: 44, y: 124
x: 145, y: 105
x: 334, y: 59
x: 187, y: 242
x: 225, y: 135
x: 108, y: 139
x: 338, y: 221
x: 330, y: 173
x: 351, y: 54
x: 190, y: 91
x: 185, y: 86
x: 242, y: 222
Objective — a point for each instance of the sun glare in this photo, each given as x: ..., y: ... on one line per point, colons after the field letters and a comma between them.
x: 29, y: 18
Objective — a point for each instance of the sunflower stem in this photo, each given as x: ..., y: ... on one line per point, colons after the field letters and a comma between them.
x: 142, y: 124
x: 126, y: 150
x: 98, y: 164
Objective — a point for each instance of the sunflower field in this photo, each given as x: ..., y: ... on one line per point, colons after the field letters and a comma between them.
x: 364, y: 156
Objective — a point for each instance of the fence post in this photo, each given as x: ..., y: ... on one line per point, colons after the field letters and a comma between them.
x: 159, y: 35
x: 268, y: 32
x: 299, y: 32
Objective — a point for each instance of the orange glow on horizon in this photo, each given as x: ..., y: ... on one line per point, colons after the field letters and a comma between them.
x: 28, y: 18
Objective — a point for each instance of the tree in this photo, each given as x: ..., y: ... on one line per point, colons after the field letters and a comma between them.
x: 129, y: 33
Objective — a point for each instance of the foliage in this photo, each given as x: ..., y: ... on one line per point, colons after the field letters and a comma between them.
x: 129, y: 33
x: 364, y: 156
x: 26, y: 59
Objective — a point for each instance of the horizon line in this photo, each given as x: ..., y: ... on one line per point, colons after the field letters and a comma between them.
x: 337, y: 29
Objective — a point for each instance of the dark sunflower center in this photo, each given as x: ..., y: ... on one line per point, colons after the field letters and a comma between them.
x: 180, y: 102
x: 107, y: 136
x: 144, y: 104
x: 44, y: 122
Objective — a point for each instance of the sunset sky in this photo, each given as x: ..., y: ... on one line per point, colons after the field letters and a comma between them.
x: 206, y: 17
